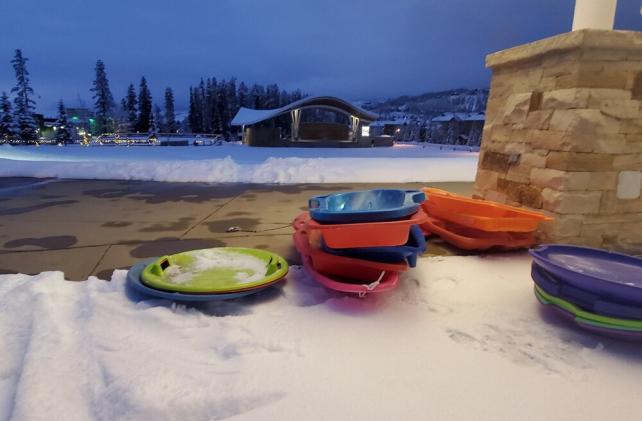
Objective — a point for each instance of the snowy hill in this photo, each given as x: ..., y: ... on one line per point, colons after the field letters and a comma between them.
x: 431, y: 104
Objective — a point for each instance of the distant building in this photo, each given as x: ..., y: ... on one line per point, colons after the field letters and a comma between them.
x: 312, y: 121
x: 457, y: 128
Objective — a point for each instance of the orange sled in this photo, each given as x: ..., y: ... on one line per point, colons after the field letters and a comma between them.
x: 481, y: 215
x: 470, y: 239
x: 366, y: 234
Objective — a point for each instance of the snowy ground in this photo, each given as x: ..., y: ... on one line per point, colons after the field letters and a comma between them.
x: 239, y: 163
x: 462, y: 338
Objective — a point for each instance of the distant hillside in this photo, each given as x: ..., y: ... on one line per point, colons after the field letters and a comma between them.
x: 431, y: 104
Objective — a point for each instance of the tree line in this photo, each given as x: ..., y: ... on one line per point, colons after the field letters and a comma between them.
x: 212, y: 106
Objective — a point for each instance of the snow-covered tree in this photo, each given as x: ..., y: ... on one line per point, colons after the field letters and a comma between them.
x: 153, y: 124
x: 170, y: 116
x: 24, y: 106
x: 103, y: 100
x: 159, y: 121
x: 64, y: 131
x: 144, y: 106
x: 130, y: 104
x: 6, y: 119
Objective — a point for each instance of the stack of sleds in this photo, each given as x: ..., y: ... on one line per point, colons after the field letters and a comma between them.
x: 359, y: 242
x: 472, y: 224
x: 599, y: 290
x: 221, y: 273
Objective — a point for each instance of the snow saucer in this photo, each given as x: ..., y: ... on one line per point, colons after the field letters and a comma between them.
x: 134, y: 282
x: 215, y: 271
x: 607, y: 274
x: 365, y: 206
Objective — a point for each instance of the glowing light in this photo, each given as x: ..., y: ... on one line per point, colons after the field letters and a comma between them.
x: 365, y: 131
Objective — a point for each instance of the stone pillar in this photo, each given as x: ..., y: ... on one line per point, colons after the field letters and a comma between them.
x: 563, y: 134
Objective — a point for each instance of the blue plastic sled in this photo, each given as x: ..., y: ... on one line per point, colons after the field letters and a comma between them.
x: 133, y: 281
x: 415, y: 246
x: 613, y: 276
x: 586, y: 300
x: 365, y: 206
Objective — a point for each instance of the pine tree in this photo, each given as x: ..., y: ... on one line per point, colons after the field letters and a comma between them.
x: 232, y: 99
x: 256, y: 96
x: 284, y: 98
x: 6, y: 120
x: 153, y: 124
x: 272, y: 97
x: 243, y: 95
x: 144, y: 106
x: 25, y: 123
x: 104, y: 101
x: 195, y: 117
x: 209, y: 112
x: 170, y: 116
x: 63, y: 134
x: 130, y: 106
x: 222, y: 110
x: 159, y: 121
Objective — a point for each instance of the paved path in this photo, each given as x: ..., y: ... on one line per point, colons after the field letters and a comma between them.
x: 91, y: 227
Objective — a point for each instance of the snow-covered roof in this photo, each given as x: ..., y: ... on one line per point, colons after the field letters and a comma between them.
x: 460, y: 117
x: 445, y: 117
x: 247, y: 116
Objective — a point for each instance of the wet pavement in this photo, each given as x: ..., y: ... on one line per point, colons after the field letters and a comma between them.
x: 91, y: 227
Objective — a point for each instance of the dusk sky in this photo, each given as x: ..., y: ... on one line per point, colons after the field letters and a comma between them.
x: 358, y: 49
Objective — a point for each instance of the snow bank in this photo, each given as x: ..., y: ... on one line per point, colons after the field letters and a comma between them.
x: 239, y: 163
x: 462, y: 338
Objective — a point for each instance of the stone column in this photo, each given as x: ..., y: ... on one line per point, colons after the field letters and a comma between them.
x: 563, y: 134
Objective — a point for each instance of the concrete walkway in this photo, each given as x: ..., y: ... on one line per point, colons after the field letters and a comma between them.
x: 91, y: 227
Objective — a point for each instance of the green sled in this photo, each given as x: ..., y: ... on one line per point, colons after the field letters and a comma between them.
x: 218, y: 279
x: 583, y: 316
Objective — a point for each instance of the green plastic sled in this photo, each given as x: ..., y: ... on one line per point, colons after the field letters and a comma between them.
x: 583, y: 316
x: 216, y: 270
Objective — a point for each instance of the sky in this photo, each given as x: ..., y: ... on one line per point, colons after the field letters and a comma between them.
x: 356, y: 49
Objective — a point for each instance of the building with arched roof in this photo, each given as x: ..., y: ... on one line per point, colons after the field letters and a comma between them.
x: 311, y: 121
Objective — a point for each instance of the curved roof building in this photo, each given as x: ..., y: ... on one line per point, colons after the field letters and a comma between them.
x: 291, y: 126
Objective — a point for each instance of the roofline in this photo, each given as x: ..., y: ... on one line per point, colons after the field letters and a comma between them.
x: 307, y: 101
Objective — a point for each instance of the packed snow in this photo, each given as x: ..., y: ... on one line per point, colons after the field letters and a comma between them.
x: 461, y: 338
x: 239, y: 163
x: 247, y: 268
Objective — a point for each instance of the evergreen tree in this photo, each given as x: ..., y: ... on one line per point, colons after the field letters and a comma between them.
x: 232, y: 99
x: 152, y: 124
x: 284, y: 98
x: 159, y: 121
x: 272, y: 97
x: 6, y: 119
x: 130, y: 104
x: 170, y: 116
x: 209, y: 111
x: 243, y: 95
x: 63, y: 134
x: 104, y: 101
x: 195, y: 117
x: 144, y: 106
x: 297, y: 95
x: 256, y: 96
x: 222, y: 110
x: 24, y: 106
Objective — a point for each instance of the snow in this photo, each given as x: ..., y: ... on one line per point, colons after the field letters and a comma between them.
x: 248, y: 268
x: 461, y: 338
x: 239, y: 163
